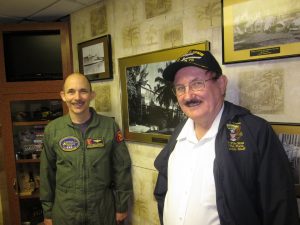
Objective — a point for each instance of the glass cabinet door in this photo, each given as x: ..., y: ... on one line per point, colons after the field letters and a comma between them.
x: 29, y: 118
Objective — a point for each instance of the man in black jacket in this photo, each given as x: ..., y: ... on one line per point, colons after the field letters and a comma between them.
x: 223, y: 165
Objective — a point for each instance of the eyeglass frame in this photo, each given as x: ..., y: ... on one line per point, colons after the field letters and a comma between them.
x: 190, y: 88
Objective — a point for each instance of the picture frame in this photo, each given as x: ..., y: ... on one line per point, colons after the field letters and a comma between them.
x: 149, y: 108
x: 95, y: 58
x: 249, y: 34
x: 289, y: 135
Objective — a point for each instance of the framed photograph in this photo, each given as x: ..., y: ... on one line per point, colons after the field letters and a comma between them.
x: 149, y: 107
x: 289, y: 135
x: 95, y: 59
x: 249, y: 34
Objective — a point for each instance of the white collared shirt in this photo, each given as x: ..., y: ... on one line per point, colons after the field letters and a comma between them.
x: 191, y: 196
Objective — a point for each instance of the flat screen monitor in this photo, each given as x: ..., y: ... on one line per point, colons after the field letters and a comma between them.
x: 32, y: 55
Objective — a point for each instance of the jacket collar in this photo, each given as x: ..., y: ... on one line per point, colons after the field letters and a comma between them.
x: 232, y: 112
x: 93, y: 120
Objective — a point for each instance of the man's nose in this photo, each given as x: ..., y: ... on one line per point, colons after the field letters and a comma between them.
x: 77, y: 95
x: 188, y: 91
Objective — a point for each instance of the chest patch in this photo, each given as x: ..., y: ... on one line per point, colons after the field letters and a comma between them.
x: 235, y: 134
x: 94, y: 143
x: 69, y: 143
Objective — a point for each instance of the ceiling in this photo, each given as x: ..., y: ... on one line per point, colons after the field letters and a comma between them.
x: 23, y: 11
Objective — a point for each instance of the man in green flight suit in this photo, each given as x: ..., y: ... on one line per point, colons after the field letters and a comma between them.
x: 85, y: 165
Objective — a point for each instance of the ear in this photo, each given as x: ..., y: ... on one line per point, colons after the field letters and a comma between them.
x: 223, y: 84
x: 62, y: 95
x: 93, y: 95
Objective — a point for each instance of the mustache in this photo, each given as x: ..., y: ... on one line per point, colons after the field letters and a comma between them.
x: 192, y: 102
x: 78, y: 102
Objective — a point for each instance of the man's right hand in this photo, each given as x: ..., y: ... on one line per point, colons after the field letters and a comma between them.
x: 47, y: 221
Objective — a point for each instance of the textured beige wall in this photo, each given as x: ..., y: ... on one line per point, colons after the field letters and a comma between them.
x: 139, y: 27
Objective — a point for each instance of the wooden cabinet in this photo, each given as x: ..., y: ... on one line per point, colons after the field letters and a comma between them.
x: 26, y: 108
x: 25, y: 115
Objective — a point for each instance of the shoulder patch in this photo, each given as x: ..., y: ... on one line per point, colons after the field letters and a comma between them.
x: 69, y: 143
x: 119, y: 136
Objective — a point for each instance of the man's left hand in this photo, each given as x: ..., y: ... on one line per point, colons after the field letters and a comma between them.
x: 120, y: 217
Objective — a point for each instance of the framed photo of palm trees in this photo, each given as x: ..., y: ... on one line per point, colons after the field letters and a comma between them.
x: 149, y: 108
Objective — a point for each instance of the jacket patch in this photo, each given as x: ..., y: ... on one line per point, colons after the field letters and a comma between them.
x: 69, y: 143
x: 94, y: 142
x: 234, y: 137
x: 119, y: 136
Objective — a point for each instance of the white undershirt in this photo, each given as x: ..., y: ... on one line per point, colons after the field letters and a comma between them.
x: 191, y: 196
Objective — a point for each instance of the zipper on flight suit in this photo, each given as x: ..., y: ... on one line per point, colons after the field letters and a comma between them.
x: 82, y: 135
x: 84, y: 177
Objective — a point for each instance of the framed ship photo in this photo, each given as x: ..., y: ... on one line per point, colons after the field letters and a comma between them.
x: 249, y: 34
x: 95, y: 59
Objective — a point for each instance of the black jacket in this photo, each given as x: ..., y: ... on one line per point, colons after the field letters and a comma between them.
x: 253, y: 178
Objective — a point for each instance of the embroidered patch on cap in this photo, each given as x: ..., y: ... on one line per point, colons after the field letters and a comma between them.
x: 94, y: 142
x: 235, y: 135
x: 69, y: 143
x: 119, y: 136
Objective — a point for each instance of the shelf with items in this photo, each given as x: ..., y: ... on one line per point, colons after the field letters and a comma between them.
x: 20, y: 161
x: 35, y: 111
x: 29, y: 121
x: 35, y: 194
x: 28, y: 180
x: 26, y: 116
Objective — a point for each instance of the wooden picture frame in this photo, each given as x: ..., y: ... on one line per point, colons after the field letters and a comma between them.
x: 95, y: 58
x: 251, y: 34
x: 289, y: 135
x: 149, y: 107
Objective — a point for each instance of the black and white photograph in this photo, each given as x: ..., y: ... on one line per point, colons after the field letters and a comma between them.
x: 250, y: 34
x: 289, y: 135
x: 152, y: 105
x: 95, y: 60
x: 266, y: 30
x: 291, y: 144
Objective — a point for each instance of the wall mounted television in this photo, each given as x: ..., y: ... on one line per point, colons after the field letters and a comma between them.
x: 32, y: 55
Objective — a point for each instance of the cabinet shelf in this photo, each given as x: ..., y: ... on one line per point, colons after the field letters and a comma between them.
x: 35, y: 194
x: 31, y: 123
x: 21, y: 161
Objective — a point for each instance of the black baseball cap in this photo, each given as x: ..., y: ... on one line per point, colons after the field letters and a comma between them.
x: 198, y: 58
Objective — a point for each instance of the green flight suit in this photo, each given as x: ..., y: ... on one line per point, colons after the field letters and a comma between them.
x: 85, y: 178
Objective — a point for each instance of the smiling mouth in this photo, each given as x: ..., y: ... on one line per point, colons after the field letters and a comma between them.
x: 193, y: 103
x: 78, y: 104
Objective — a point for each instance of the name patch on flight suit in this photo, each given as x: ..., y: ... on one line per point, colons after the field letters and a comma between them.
x: 94, y: 142
x: 69, y: 144
x: 234, y: 138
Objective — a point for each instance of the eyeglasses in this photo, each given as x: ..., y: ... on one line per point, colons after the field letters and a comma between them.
x: 194, y: 86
